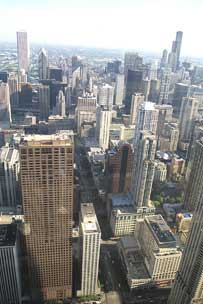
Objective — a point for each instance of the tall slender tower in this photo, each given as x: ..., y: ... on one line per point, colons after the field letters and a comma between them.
x: 164, y: 85
x: 103, y: 122
x: 23, y: 51
x: 188, y: 286
x: 90, y: 237
x: 42, y: 64
x: 5, y: 107
x: 47, y: 193
x: 44, y: 102
x: 143, y: 169
x: 178, y: 41
x: 137, y: 100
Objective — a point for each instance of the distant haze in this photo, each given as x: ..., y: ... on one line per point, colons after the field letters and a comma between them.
x: 146, y: 25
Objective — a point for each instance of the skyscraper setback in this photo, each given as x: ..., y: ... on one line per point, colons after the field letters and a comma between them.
x: 23, y: 51
x: 47, y: 193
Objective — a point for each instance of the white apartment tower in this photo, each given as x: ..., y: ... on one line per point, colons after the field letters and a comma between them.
x: 103, y: 122
x: 105, y: 96
x: 119, y: 89
x: 137, y: 100
x: 90, y: 237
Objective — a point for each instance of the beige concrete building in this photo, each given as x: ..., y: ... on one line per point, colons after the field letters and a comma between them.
x: 137, y: 100
x: 47, y: 192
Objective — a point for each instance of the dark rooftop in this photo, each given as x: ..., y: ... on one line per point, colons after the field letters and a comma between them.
x: 8, y: 235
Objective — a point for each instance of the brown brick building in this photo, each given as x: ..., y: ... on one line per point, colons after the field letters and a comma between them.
x: 47, y: 191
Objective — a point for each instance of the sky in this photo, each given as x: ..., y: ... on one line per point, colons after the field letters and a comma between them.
x: 142, y: 25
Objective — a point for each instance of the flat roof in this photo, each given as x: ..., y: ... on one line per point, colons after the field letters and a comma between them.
x: 121, y: 200
x: 61, y: 138
x: 161, y: 230
x: 8, y: 235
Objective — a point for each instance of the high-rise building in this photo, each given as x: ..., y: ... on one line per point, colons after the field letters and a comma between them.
x: 143, y: 169
x: 23, y: 51
x: 164, y: 59
x: 133, y: 85
x: 146, y: 88
x: 119, y: 90
x: 137, y: 100
x: 47, y: 194
x: 132, y: 62
x: 4, y: 76
x: 154, y: 90
x: 119, y: 162
x: 103, y: 122
x: 90, y: 238
x: 181, y: 90
x: 165, y: 115
x: 147, y: 119
x: 113, y: 67
x: 188, y: 286
x: 10, y: 287
x: 169, y: 136
x: 5, y: 108
x: 13, y: 90
x: 105, y: 96
x: 188, y: 113
x: 42, y: 64
x: 9, y: 177
x: 44, y: 102
x: 164, y: 85
x: 174, y: 56
x: 60, y: 108
x: 195, y: 182
x: 179, y: 37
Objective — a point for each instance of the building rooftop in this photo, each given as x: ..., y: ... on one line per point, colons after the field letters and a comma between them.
x: 89, y: 219
x: 148, y: 105
x: 60, y: 138
x: 161, y: 231
x: 121, y: 200
x: 8, y: 235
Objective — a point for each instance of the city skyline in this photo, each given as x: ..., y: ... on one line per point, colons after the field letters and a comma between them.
x: 123, y: 20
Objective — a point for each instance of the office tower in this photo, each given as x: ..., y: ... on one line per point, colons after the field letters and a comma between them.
x: 76, y: 74
x: 119, y: 162
x: 169, y: 136
x: 188, y: 286
x: 119, y: 90
x: 5, y: 108
x: 160, y: 172
x: 25, y: 95
x: 22, y: 77
x: 86, y: 110
x: 133, y: 84
x: 90, y: 239
x: 42, y: 64
x: 83, y: 73
x: 143, y: 169
x: 75, y: 62
x: 47, y: 194
x: 137, y: 100
x: 164, y: 59
x: 13, y: 90
x: 23, y: 51
x: 105, y: 96
x: 179, y: 36
x: 9, y: 177
x: 55, y: 74
x: 103, y: 122
x: 4, y: 76
x: 154, y: 90
x: 195, y: 181
x: 132, y: 62
x: 10, y: 287
x: 60, y: 108
x: 181, y: 90
x: 165, y: 115
x: 44, y: 102
x: 147, y: 119
x: 188, y: 113
x: 113, y: 67
x: 146, y: 88
x: 164, y: 85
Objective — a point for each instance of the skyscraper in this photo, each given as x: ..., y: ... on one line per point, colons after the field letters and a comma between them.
x: 60, y: 108
x: 23, y: 51
x: 188, y: 286
x: 13, y: 90
x: 47, y: 192
x: 44, y: 102
x: 146, y: 120
x: 119, y: 90
x: 9, y: 177
x: 105, y: 96
x: 5, y: 108
x: 90, y: 238
x: 103, y: 122
x: 133, y: 85
x: 164, y: 59
x: 179, y: 37
x: 42, y: 64
x: 137, y: 100
x: 188, y: 113
x: 132, y: 62
x: 164, y: 85
x: 174, y: 56
x: 143, y: 169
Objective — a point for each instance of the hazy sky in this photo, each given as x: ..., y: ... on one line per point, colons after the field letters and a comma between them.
x: 145, y: 25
